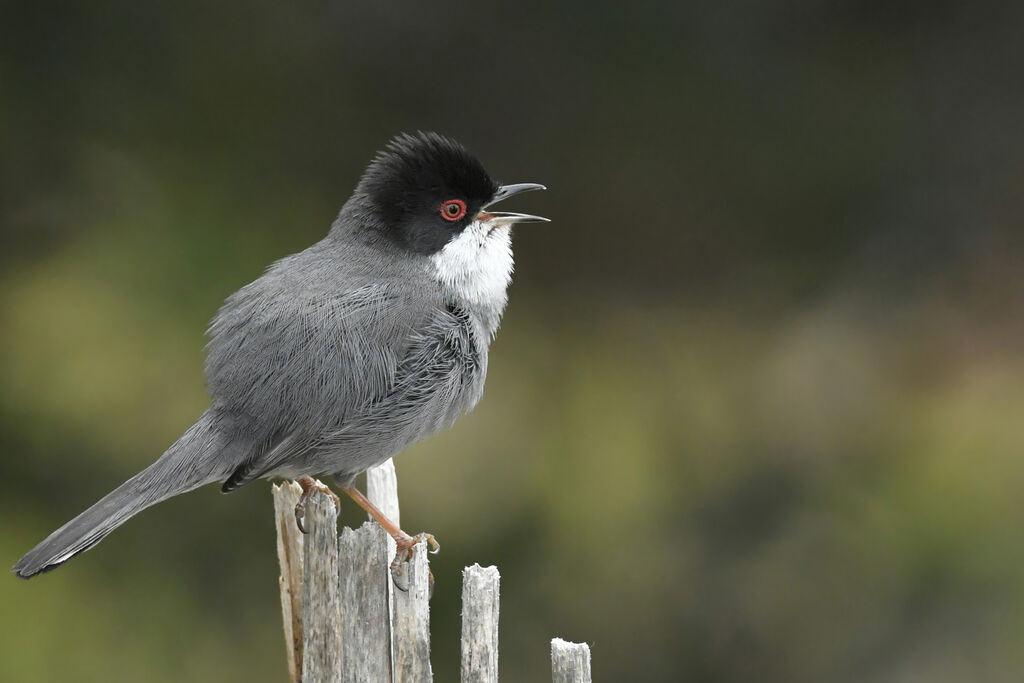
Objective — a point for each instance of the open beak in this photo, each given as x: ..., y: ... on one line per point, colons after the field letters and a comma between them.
x: 496, y: 218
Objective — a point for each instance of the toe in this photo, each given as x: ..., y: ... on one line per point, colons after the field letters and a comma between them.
x: 399, y: 578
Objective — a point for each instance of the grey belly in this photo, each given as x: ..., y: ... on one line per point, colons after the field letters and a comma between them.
x: 391, y: 425
x: 440, y: 378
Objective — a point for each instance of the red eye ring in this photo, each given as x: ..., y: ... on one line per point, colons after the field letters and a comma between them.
x: 453, y: 210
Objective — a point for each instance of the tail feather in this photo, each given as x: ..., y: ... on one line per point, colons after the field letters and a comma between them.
x: 189, y: 463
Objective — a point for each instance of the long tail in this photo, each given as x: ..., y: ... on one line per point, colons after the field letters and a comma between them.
x: 192, y: 461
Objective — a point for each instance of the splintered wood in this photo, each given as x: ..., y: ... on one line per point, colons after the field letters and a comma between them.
x: 412, y: 618
x: 570, y: 662
x: 365, y: 615
x: 289, y: 557
x: 344, y: 618
x: 480, y: 624
x: 321, y: 607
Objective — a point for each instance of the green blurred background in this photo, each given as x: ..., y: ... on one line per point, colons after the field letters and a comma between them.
x: 755, y: 410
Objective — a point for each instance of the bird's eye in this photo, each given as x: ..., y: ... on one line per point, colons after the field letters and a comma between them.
x: 453, y: 209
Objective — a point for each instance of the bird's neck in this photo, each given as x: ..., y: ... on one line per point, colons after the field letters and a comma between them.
x: 475, y: 269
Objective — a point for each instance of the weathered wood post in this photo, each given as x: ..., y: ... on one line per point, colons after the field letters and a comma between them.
x: 365, y: 609
x: 412, y: 619
x: 480, y: 624
x: 289, y: 556
x: 321, y: 608
x: 344, y: 620
x: 570, y: 662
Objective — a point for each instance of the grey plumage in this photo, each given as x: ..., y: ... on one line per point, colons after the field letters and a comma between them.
x: 189, y: 463
x: 336, y: 350
x: 342, y: 355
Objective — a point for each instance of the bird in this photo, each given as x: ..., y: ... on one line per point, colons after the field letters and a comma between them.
x: 342, y: 355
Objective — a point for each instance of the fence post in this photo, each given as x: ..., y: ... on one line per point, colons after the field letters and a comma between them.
x: 321, y: 607
x: 570, y: 662
x: 382, y: 490
x: 289, y: 557
x: 480, y: 587
x: 412, y: 619
x: 363, y: 580
x: 345, y: 621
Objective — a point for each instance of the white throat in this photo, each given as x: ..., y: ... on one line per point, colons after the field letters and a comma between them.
x: 476, y: 266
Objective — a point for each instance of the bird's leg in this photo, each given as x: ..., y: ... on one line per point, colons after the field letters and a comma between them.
x: 404, y: 541
x: 309, y: 485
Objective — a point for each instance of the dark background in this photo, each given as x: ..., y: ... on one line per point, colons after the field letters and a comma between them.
x: 755, y: 409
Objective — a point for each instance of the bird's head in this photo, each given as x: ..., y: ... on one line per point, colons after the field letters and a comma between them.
x: 425, y: 191
x: 430, y: 197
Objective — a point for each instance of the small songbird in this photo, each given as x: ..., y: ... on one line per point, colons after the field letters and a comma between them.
x: 341, y: 356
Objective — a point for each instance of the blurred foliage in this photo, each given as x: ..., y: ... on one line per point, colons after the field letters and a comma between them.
x: 754, y: 412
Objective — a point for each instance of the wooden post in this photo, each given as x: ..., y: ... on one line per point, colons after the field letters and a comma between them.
x: 570, y: 662
x: 412, y: 619
x: 382, y: 490
x: 321, y: 611
x: 344, y: 620
x: 410, y: 605
x: 365, y: 611
x: 480, y: 624
x: 289, y: 556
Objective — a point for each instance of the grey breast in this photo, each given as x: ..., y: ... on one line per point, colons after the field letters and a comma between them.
x: 440, y: 378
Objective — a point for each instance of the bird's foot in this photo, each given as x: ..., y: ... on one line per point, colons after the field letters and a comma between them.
x: 404, y: 541
x: 405, y: 544
x: 309, y: 485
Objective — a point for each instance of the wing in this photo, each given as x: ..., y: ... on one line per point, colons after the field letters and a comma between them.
x: 298, y: 352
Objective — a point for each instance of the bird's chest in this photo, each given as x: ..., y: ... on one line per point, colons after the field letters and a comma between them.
x: 459, y: 356
x: 475, y: 269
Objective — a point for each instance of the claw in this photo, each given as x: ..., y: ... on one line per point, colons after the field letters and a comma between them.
x: 397, y: 577
x: 401, y: 584
x: 300, y: 513
x: 405, y: 544
x: 309, y: 485
x: 403, y: 541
